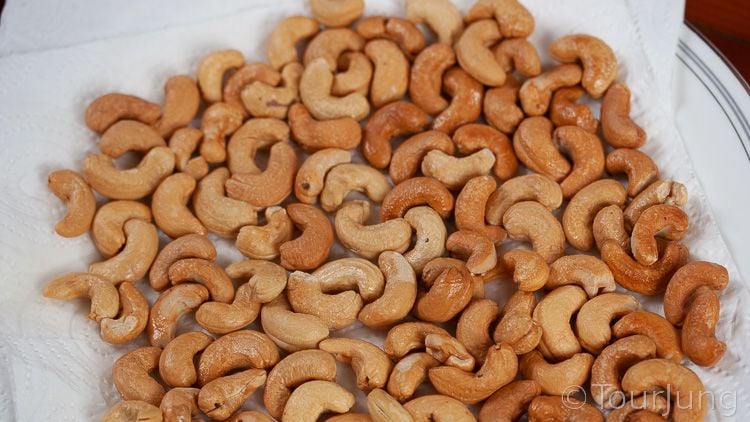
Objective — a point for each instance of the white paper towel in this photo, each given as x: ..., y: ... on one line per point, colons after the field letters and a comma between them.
x: 52, y: 362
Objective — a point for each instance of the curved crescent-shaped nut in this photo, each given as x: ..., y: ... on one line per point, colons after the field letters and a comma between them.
x: 565, y: 111
x: 530, y: 187
x: 313, y: 398
x: 554, y: 313
x: 315, y: 92
x: 426, y: 80
x: 587, y: 153
x: 510, y: 402
x: 180, y: 404
x: 513, y: 19
x: 407, y: 336
x: 312, y: 135
x: 401, y: 31
x: 454, y: 172
x: 204, y: 272
x: 266, y: 279
x: 516, y: 327
x: 470, y: 208
x: 133, y: 411
x: 134, y: 260
x: 578, y: 216
x: 655, y: 327
x: 281, y: 44
x: 109, y: 220
x: 474, y: 54
x: 638, y: 166
x: 253, y: 135
x: 352, y: 274
x: 686, y: 281
x: 105, y: 301
x: 264, y: 100
x: 449, y: 351
x: 660, y: 192
x: 441, y: 16
x: 292, y: 371
x: 262, y: 242
x: 500, y: 367
x: 648, y: 280
x: 384, y: 408
x: 556, y: 378
x: 667, y: 375
x: 70, y: 187
x: 289, y: 330
x: 370, y: 364
x: 132, y: 320
x: 369, y: 241
x: 310, y: 179
x: 473, y: 137
x: 221, y: 397
x: 518, y: 54
x: 501, y: 108
x: 169, y: 307
x: 135, y: 183
x: 609, y: 224
x: 336, y: 310
x: 330, y: 44
x: 350, y: 417
x: 355, y: 74
x: 183, y: 143
x: 129, y: 135
x: 430, y: 236
x: 473, y: 327
x: 653, y: 403
x: 219, y: 213
x: 336, y: 13
x: 562, y: 409
x: 614, y: 360
x: 532, y: 222
x: 271, y: 186
x: 345, y: 178
x: 534, y: 147
x: 131, y: 375
x: 392, y: 120
x: 666, y: 221
x: 619, y: 130
x: 536, y: 92
x: 244, y: 76
x: 407, y: 157
x: 211, y: 72
x: 466, y: 94
x: 390, y: 79
x: 176, y: 366
x: 219, y: 120
x: 586, y: 271
x: 478, y: 250
x: 106, y: 110
x: 414, y: 192
x: 311, y: 248
x: 596, y: 316
x: 181, y: 102
x: 451, y: 290
x: 597, y: 58
x: 699, y: 329
x: 188, y: 246
x: 438, y: 408
x: 238, y: 350
x: 169, y: 206
x: 408, y: 374
x: 530, y: 270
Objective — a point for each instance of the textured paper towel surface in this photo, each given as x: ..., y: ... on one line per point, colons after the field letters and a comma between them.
x: 53, y: 363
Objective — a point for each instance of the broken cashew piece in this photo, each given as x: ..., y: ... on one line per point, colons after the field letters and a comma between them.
x: 370, y: 364
x: 441, y: 16
x: 132, y: 320
x: 176, y: 366
x: 131, y: 375
x: 596, y: 316
x: 188, y: 246
x: 554, y: 314
x: 578, y: 217
x: 70, y: 187
x: 596, y: 57
x: 587, y: 271
x: 292, y: 371
x: 101, y: 174
x: 135, y: 258
x: 262, y: 242
x: 555, y: 378
x: 105, y: 301
x: 291, y: 331
x: 169, y: 206
x: 349, y: 177
x: 532, y: 222
x: 313, y: 398
x: 530, y: 187
x: 369, y: 241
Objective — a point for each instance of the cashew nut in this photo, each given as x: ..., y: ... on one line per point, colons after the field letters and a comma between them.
x: 352, y: 274
x: 169, y: 206
x: 370, y: 364
x: 311, y: 134
x: 244, y: 76
x: 281, y: 44
x: 565, y: 111
x: 449, y: 351
x: 639, y: 167
x: 204, y: 272
x: 271, y: 186
x: 516, y: 326
x: 501, y: 108
x: 262, y: 242
x: 350, y: 417
x: 596, y: 57
x: 430, y: 236
x: 219, y: 398
x: 470, y: 208
x: 222, y: 318
x: 554, y: 313
x: 176, y: 365
x: 292, y: 371
x: 188, y: 246
x: 474, y: 54
x: 129, y: 135
x: 408, y: 336
x: 648, y: 280
x: 510, y: 402
x: 330, y: 44
x: 369, y: 241
x: 426, y: 80
x: 70, y: 187
x: 169, y: 307
x: 441, y: 16
x: 104, y: 111
x: 478, y: 250
x: 578, y: 216
x: 384, y: 408
x: 530, y: 187
x: 131, y: 375
x: 587, y: 271
x: 310, y: 178
x: 655, y: 327
x: 536, y: 92
x: 267, y: 280
x: 183, y: 143
x: 532, y: 222
x: 450, y: 290
x: 315, y: 92
x: 398, y: 296
x: 135, y: 183
x: 438, y: 408
x: 619, y: 130
x: 211, y: 72
x: 345, y: 178
x: 238, y: 350
x: 473, y: 137
x: 336, y: 12
x: 556, y: 378
x: 518, y: 54
x: 335, y: 310
x: 401, y: 31
x: 219, y: 213
x: 686, y: 281
x: 562, y: 409
x: 609, y: 224
x: 660, y: 192
x: 534, y: 146
x: 390, y: 79
x: 408, y: 374
x: 699, y: 329
x: 254, y: 134
x: 512, y: 17
x: 649, y: 402
x: 666, y: 221
x: 355, y: 74
x: 289, y: 330
x: 530, y: 270
x: 132, y: 320
x: 264, y: 100
x: 313, y: 398
x: 105, y: 301
x: 219, y: 120
x: 107, y: 226
x: 395, y: 119
x: 613, y: 361
x: 595, y: 318
x: 407, y: 157
x: 133, y: 411
x: 135, y: 258
x: 180, y: 404
x: 454, y: 172
x: 586, y: 151
x: 311, y: 248
x: 466, y: 101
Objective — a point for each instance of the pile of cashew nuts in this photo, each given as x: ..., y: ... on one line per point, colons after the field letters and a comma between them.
x: 497, y: 174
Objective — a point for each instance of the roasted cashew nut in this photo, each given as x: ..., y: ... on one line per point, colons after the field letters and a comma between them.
x: 398, y: 296
x: 129, y: 135
x: 384, y: 408
x: 518, y: 54
x: 180, y: 404
x: 407, y: 158
x: 281, y: 44
x: 266, y: 279
x: 313, y: 398
x: 430, y: 236
x: 315, y: 92
x: 270, y: 187
x: 587, y: 271
x: 439, y: 408
x: 370, y: 364
x: 408, y: 374
x: 131, y: 375
x: 469, y: 213
x: 594, y: 319
x: 292, y: 371
x: 238, y: 350
x: 253, y: 135
x: 105, y: 301
x: 169, y: 206
x: 211, y: 72
x: 188, y: 246
x: 390, y: 80
x: 426, y: 81
x: 108, y: 224
x: 336, y: 13
x: 578, y: 216
x: 686, y: 281
x: 311, y: 134
x: 171, y: 305
x: 135, y: 183
x: 369, y: 241
x: 554, y: 313
x: 135, y: 258
x: 660, y: 192
x: 666, y: 221
x: 355, y: 74
x: 455, y: 172
x: 587, y: 153
x: 106, y: 110
x: 408, y: 336
x: 530, y: 187
x: 473, y: 137
x: 699, y: 328
x: 449, y: 351
x: 532, y: 222
x: 450, y: 290
x: 619, y: 130
x: 516, y: 326
x: 645, y: 403
x: 513, y: 19
x: 330, y: 44
x: 132, y: 320
x: 262, y: 242
x: 395, y: 119
x: 222, y: 318
x: 401, y: 31
x: 413, y: 192
x: 291, y: 331
x: 474, y: 54
x: 613, y: 361
x: 441, y: 16
x: 473, y: 327
x: 244, y: 76
x: 536, y: 92
x: 466, y: 101
x: 638, y: 166
x: 345, y: 178
x: 310, y: 179
x: 335, y: 310
x: 311, y: 248
x: 352, y: 274
x: 534, y: 147
x: 478, y: 250
x: 609, y: 224
x: 183, y: 143
x: 219, y: 213
x: 204, y: 272
x: 70, y: 187
x: 133, y: 411
x: 501, y: 108
x: 648, y: 280
x: 565, y: 111
x: 655, y: 327
x: 219, y: 120
x: 219, y: 398
x: 176, y: 366
x: 555, y: 378
x: 530, y: 270
x: 263, y: 100
x: 510, y: 402
x: 559, y: 409
x: 597, y: 59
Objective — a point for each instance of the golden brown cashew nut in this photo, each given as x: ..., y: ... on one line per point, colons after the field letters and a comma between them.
x: 219, y: 213
x: 255, y: 134
x: 501, y: 108
x: 530, y: 270
x: 562, y: 409
x: 401, y: 31
x: 311, y: 248
x: 204, y: 272
x: 441, y: 16
x: 135, y: 183
x: 613, y: 361
x: 384, y: 408
x: 129, y: 135
x: 639, y: 167
x: 336, y: 13
x: 311, y: 134
x: 513, y: 19
x: 668, y: 375
x: 330, y: 44
x: 281, y: 44
x: 666, y: 221
x: 554, y: 313
x: 518, y: 54
x: 107, y: 226
x: 390, y: 79
x: 270, y: 187
x: 534, y: 147
x: 427, y: 77
x: 306, y: 295
x: 587, y: 271
x: 134, y: 260
x: 355, y: 74
x: 176, y: 366
x: 169, y: 307
x: 392, y: 120
x: 454, y: 172
x: 131, y: 375
x: 450, y: 290
x: 648, y: 280
x: 370, y: 364
x: 478, y: 250
x: 219, y: 120
x: 211, y: 72
x: 596, y: 57
x: 587, y: 153
x: 369, y: 241
x: 532, y: 222
x: 466, y: 101
x: 439, y: 408
x: 181, y: 101
x: 315, y: 92
x: 500, y: 367
x: 183, y: 143
x: 266, y: 279
x: 289, y: 330
x: 645, y: 416
x: 474, y: 54
x: 660, y: 192
x: 244, y: 76
x: 313, y: 398
x: 132, y: 320
x: 407, y: 157
x: 473, y: 137
x: 473, y: 327
x: 70, y: 187
x: 516, y: 326
x: 556, y: 378
x: 188, y: 246
x: 169, y: 206
x: 536, y: 93
x: 609, y: 224
x: 264, y: 100
x: 104, y: 111
x: 430, y: 236
x: 105, y: 301
x: 699, y: 328
x: 578, y: 216
x: 180, y: 404
x: 221, y: 397
x: 510, y: 402
x: 292, y: 371
x: 345, y: 178
x: 470, y: 208
x: 595, y: 317
x: 238, y: 350
x: 530, y: 187
x: 655, y: 327
x: 619, y: 130
x: 310, y: 178
x: 408, y: 374
x: 262, y: 242
x: 133, y: 411
x: 350, y: 417
x: 686, y: 281
x: 449, y: 351
x: 352, y: 274
x: 565, y: 111
x: 408, y: 336
x: 650, y: 402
